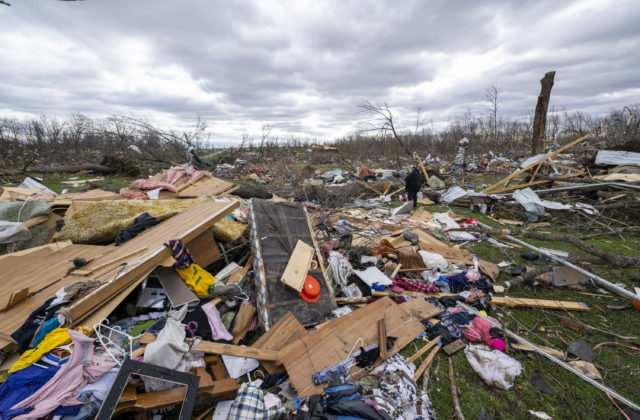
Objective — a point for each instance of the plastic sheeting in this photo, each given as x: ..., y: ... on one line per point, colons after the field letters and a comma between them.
x: 13, y: 232
x: 494, y: 367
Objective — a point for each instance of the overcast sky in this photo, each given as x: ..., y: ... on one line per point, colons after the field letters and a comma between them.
x: 304, y: 66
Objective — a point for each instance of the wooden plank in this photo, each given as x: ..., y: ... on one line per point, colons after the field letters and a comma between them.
x: 423, y: 350
x: 283, y: 332
x: 454, y: 347
x: 38, y: 251
x: 204, y: 249
x: 369, y: 187
x: 539, y: 303
x: 185, y: 226
x: 241, y: 325
x: 544, y: 181
x: 382, y: 339
x: 296, y: 270
x: 420, y: 309
x: 111, y: 262
x: 206, y: 185
x: 240, y: 351
x: 549, y: 350
x: 37, y: 273
x: 35, y: 221
x: 542, y: 159
x: 424, y: 171
x: 330, y: 345
x: 426, y: 363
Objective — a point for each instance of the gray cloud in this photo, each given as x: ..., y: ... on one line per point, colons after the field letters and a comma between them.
x: 303, y: 67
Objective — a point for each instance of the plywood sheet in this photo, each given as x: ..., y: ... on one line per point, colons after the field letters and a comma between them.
x: 451, y: 254
x: 296, y: 270
x: 36, y: 273
x: 285, y: 331
x: 331, y: 344
x: 206, y: 185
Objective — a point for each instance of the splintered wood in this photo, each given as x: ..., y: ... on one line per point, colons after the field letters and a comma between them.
x: 296, y: 270
x: 334, y: 342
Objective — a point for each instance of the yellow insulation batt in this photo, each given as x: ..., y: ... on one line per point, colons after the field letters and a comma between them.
x: 227, y: 230
x: 99, y: 222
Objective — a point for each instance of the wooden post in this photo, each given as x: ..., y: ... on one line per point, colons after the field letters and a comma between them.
x: 540, y: 118
x: 454, y: 393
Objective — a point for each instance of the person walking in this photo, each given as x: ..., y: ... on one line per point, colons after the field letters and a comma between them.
x: 413, y: 182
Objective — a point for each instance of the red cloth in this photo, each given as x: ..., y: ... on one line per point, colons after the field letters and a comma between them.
x: 416, y: 285
x: 364, y: 171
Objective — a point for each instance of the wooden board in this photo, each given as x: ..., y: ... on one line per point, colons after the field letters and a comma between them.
x: 243, y: 320
x: 204, y: 249
x: 296, y: 270
x: 205, y: 185
x: 239, y: 351
x: 38, y: 251
x: 539, y: 303
x: 489, y: 269
x: 36, y: 273
x: 186, y: 226
x: 331, y: 344
x: 285, y: 331
x: 420, y: 309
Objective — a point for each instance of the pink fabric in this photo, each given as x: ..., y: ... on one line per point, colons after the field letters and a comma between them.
x: 130, y: 194
x: 218, y: 330
x: 43, y: 196
x: 478, y: 330
x: 171, y: 175
x: 148, y: 184
x: 66, y: 383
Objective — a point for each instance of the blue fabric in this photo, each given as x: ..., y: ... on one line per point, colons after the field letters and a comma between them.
x: 67, y: 410
x: 20, y: 385
x: 88, y: 409
x: 46, y: 327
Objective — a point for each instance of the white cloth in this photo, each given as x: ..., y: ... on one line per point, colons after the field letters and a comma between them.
x: 340, y: 268
x: 169, y: 346
x: 494, y: 367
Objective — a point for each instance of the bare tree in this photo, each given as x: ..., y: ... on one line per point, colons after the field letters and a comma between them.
x: 384, y: 122
x: 266, y: 130
x: 492, y: 95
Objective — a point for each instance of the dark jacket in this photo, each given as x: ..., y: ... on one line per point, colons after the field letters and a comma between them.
x: 413, y: 181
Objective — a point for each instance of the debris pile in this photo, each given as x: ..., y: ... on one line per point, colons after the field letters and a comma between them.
x: 175, y: 297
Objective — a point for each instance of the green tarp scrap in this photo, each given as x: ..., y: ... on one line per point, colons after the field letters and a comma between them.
x: 9, y: 211
x: 99, y: 222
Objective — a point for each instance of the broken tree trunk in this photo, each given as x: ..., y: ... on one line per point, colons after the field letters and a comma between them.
x: 540, y: 118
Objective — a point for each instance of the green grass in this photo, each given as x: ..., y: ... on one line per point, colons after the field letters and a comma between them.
x: 56, y: 183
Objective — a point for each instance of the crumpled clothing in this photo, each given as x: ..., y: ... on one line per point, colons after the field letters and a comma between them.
x: 25, y: 333
x: 55, y: 338
x: 92, y: 396
x: 22, y: 384
x: 249, y: 404
x: 479, y: 330
x: 148, y: 184
x: 169, y: 346
x: 189, y: 361
x: 494, y: 367
x: 399, y: 394
x: 180, y: 253
x: 415, y: 285
x: 218, y: 330
x: 198, y: 279
x: 140, y: 223
x: 66, y: 383
x: 340, y: 268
